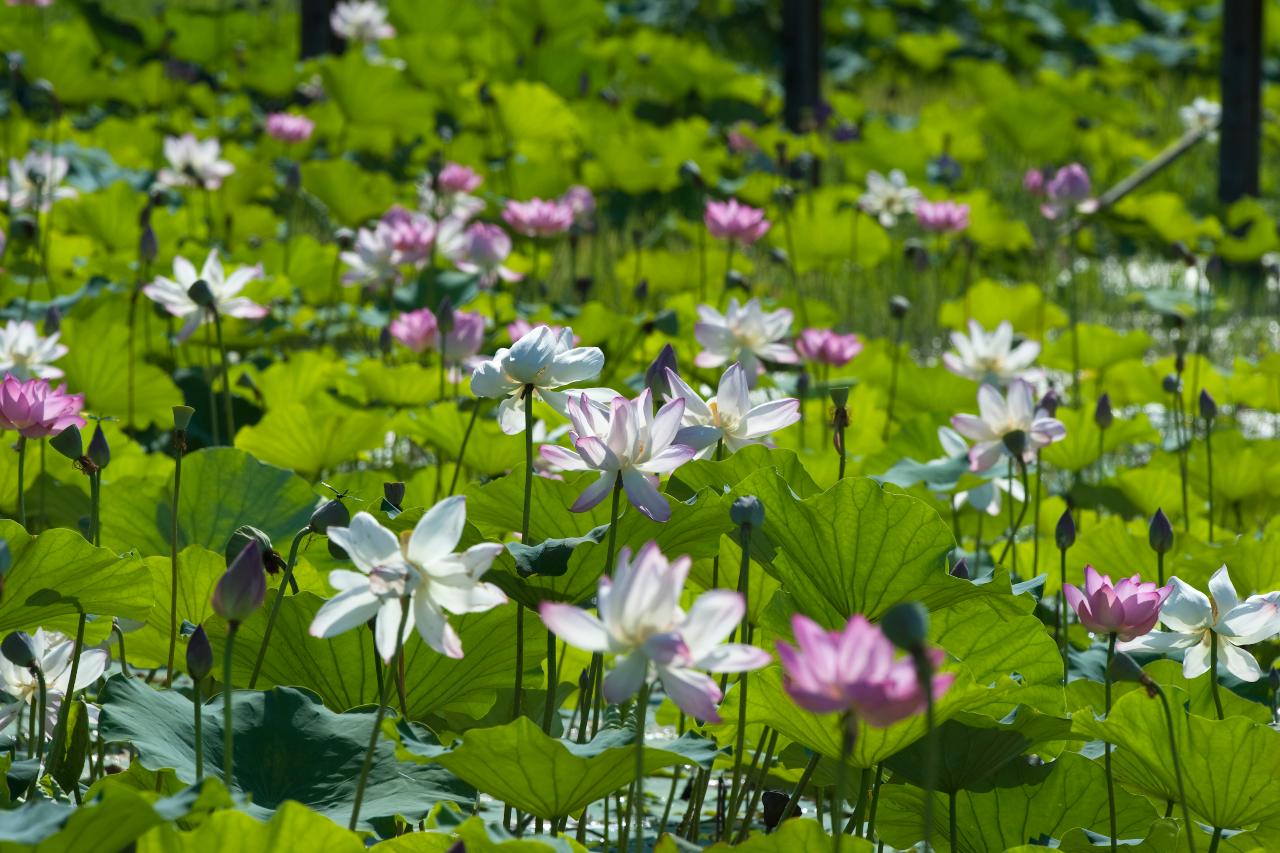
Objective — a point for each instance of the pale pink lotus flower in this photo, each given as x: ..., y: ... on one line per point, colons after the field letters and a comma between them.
x: 746, y: 334
x: 825, y: 346
x: 729, y: 416
x: 37, y: 4
x: 456, y: 178
x: 289, y: 128
x: 985, y: 357
x: 26, y: 354
x: 626, y: 441
x: 421, y: 565
x: 173, y: 294
x: 1033, y: 182
x: 417, y: 330
x: 1127, y: 609
x: 193, y: 163
x: 413, y: 234
x: 538, y: 217
x: 942, y: 217
x: 361, y: 21
x: 465, y: 338
x: 1000, y: 418
x: 731, y: 220
x: 519, y: 327
x: 1066, y: 191
x: 641, y: 621
x: 581, y: 201
x: 54, y: 653
x: 34, y: 183
x: 541, y: 360
x: 449, y: 196
x: 740, y: 143
x: 889, y: 198
x: 855, y: 670
x: 374, y: 259
x: 34, y: 409
x: 483, y: 249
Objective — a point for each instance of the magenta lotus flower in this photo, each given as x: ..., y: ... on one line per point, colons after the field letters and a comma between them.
x: 1066, y: 190
x: 411, y: 233
x: 456, y: 178
x: 581, y: 201
x: 731, y: 220
x: 942, y: 217
x: 483, y: 249
x: 1033, y: 182
x: 288, y: 128
x: 417, y: 330
x: 855, y: 670
x: 35, y: 409
x: 1127, y: 609
x: 824, y: 346
x: 538, y: 217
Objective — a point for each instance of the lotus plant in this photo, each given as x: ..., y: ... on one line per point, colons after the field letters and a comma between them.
x: 175, y: 294
x: 990, y: 357
x: 889, y: 198
x: 942, y: 217
x: 193, y: 163
x: 54, y: 655
x: 34, y: 183
x: 35, y: 409
x: 746, y: 334
x: 482, y: 249
x: 289, y: 128
x: 827, y: 347
x: 728, y: 420
x: 537, y: 365
x: 26, y: 354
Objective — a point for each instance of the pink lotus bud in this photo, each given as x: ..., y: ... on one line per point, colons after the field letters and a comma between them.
x: 823, y: 346
x: 242, y: 587
x: 456, y: 178
x: 730, y: 220
x: 1127, y: 609
x: 942, y: 217
x: 416, y: 330
x: 289, y: 129
x: 1033, y: 182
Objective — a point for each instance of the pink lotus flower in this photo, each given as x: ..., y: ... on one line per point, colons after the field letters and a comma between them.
x: 1127, y: 609
x: 942, y: 217
x: 1033, y: 182
x: 412, y: 234
x: 417, y: 330
x: 824, y: 346
x: 35, y: 409
x: 999, y: 418
x: 483, y: 249
x: 456, y: 178
x: 465, y: 337
x: 854, y: 670
x: 730, y: 220
x: 1067, y: 189
x: 538, y: 217
x: 581, y: 201
x: 289, y: 128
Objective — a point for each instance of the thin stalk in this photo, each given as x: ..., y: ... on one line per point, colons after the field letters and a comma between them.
x: 1035, y: 522
x: 597, y: 659
x: 213, y: 394
x: 1022, y: 514
x: 1111, y: 782
x: 837, y: 801
x: 1160, y: 567
x: 744, y: 585
x: 228, y: 414
x: 462, y: 452
x: 124, y: 664
x: 1177, y: 772
x: 95, y: 506
x: 637, y: 825
x: 517, y: 699
x: 275, y: 605
x: 1062, y: 614
x: 549, y: 710
x: 736, y: 797
x: 893, y: 377
x: 21, y: 447
x: 1213, y: 673
x: 1213, y: 842
x: 759, y: 788
x: 179, y: 446
x: 875, y: 802
x: 728, y: 267
x: 1013, y: 524
x: 198, y: 708
x: 924, y: 674
x: 377, y: 721
x: 228, y: 733
x: 1208, y: 450
x: 951, y: 819
x: 42, y: 714
x: 854, y: 825
x: 675, y: 782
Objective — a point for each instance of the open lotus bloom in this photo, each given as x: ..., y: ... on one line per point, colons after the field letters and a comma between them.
x: 1127, y: 609
x: 35, y: 409
x: 640, y: 620
x: 194, y: 163
x: 1000, y: 417
x: 626, y: 441
x: 888, y: 198
x: 729, y: 416
x: 1195, y: 621
x: 856, y: 670
x: 746, y: 334
x: 990, y: 357
x: 541, y: 361
x: 942, y: 217
x: 482, y: 249
x: 732, y: 220
x: 421, y: 566
x: 26, y: 354
x: 361, y: 21
x: 173, y: 294
x: 375, y: 257
x: 538, y: 217
x: 53, y: 651
x: 34, y: 183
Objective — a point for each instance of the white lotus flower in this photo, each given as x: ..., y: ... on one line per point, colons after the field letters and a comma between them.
x: 374, y: 259
x: 745, y: 334
x: 35, y: 182
x: 172, y: 293
x: 983, y: 357
x: 422, y: 566
x: 627, y: 440
x: 640, y: 619
x: 1196, y: 620
x: 193, y: 163
x: 541, y: 360
x: 999, y: 418
x: 362, y: 21
x: 1202, y: 114
x: 27, y: 355
x: 985, y: 497
x: 53, y: 650
x: 729, y: 415
x: 888, y: 198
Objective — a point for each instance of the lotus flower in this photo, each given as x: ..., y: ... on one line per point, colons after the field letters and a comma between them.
x: 464, y: 339
x: 542, y: 362
x: 417, y: 330
x: 483, y: 249
x: 1033, y: 182
x: 824, y: 346
x: 34, y: 183
x: 375, y: 259
x: 53, y: 651
x: 1068, y: 188
x: 288, y: 128
x: 942, y: 217
x: 731, y: 220
x: 421, y: 566
x: 412, y: 234
x: 449, y: 197
x: 361, y: 21
x: 194, y: 163
x: 26, y: 354
x: 745, y: 334
x: 519, y: 327
x: 1203, y: 115
x: 456, y: 178
x: 640, y: 619
x: 1127, y: 609
x: 728, y: 417
x: 985, y: 357
x: 889, y: 198
x: 172, y: 294
x: 581, y: 201
x: 538, y: 217
x: 34, y: 409
x: 1000, y: 419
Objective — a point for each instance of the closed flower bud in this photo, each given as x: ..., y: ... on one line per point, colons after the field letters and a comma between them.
x: 1160, y: 533
x: 199, y: 654
x: 1049, y: 403
x: 906, y: 625
x: 655, y: 375
x: 241, y: 589
x: 774, y: 802
x: 1171, y: 384
x: 1125, y: 668
x: 899, y: 306
x: 292, y: 177
x: 201, y: 293
x: 345, y: 238
x: 1102, y: 415
x: 1208, y: 408
x: 69, y: 443
x: 182, y: 417
x: 99, y: 450
x: 53, y: 320
x: 690, y: 172
x: 1064, y: 535
x: 332, y: 513
x: 960, y: 569
x: 393, y: 493
x: 20, y: 649
x: 747, y: 510
x: 148, y: 245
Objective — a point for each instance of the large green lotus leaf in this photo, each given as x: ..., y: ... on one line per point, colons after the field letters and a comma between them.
x: 109, y: 216
x: 489, y: 450
x: 222, y: 488
x: 795, y: 834
x: 51, y: 572
x: 549, y: 777
x: 369, y: 94
x: 1080, y: 448
x: 496, y: 507
x: 288, y: 747
x: 292, y: 827
x: 476, y: 837
x: 1161, y: 837
x: 1024, y: 801
x: 1255, y: 561
x: 312, y: 439
x: 351, y: 194
x: 1100, y: 348
x: 990, y: 303
x: 729, y: 472
x: 341, y: 670
x: 1085, y: 693
x: 1228, y: 766
x: 97, y: 366
x: 198, y: 572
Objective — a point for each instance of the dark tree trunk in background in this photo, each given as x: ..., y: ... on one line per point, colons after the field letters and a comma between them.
x: 1240, y: 149
x: 802, y: 61
x: 317, y: 37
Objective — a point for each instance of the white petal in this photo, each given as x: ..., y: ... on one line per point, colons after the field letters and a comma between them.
x: 367, y: 543
x: 626, y: 678
x: 1223, y: 591
x: 575, y: 626
x: 343, y: 612
x: 437, y: 533
x: 1238, y: 662
x: 1186, y: 609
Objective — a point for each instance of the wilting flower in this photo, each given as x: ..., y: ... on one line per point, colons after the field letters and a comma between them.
x: 26, y: 354
x: 53, y: 651
x: 854, y: 670
x: 824, y: 346
x: 627, y: 441
x: 374, y: 259
x: 888, y: 198
x: 34, y: 409
x: 995, y: 428
x: 1196, y: 621
x: 194, y: 163
x: 463, y: 339
x: 538, y: 217
x: 731, y: 220
x: 581, y: 201
x: 541, y: 361
x: 421, y: 566
x: 483, y: 249
x: 942, y: 217
x: 417, y: 330
x: 1066, y: 191
x: 362, y: 21
x: 35, y: 182
x: 1127, y: 609
x: 172, y: 294
x: 640, y: 619
x: 1202, y: 114
x: 412, y: 234
x: 985, y: 357
x: 745, y: 334
x: 289, y: 128
x: 729, y: 416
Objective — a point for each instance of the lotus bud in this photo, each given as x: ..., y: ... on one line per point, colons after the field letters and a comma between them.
x: 20, y: 649
x: 243, y: 535
x: 655, y: 375
x: 332, y: 513
x: 899, y: 306
x: 182, y: 417
x: 1102, y: 414
x: 1208, y: 408
x: 1160, y: 533
x: 1273, y: 678
x: 1064, y: 535
x: 241, y: 589
x: 148, y: 245
x: 69, y: 443
x: 345, y: 238
x: 1125, y: 668
x: 747, y: 511
x: 1049, y: 403
x: 1171, y: 384
x: 202, y: 294
x: 99, y: 450
x: 393, y: 493
x: 199, y: 654
x: 734, y: 279
x: 906, y: 625
x: 960, y: 569
x: 1015, y: 442
x: 53, y: 320
x: 641, y: 291
x: 336, y: 551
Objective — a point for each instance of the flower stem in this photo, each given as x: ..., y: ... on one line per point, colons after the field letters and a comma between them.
x: 847, y: 724
x: 893, y: 376
x: 383, y: 698
x: 1111, y: 782
x: 1213, y: 842
x: 728, y: 268
x: 803, y: 783
x: 1208, y: 449
x: 924, y: 672
x: 1213, y: 673
x: 1022, y: 514
x: 95, y: 506
x: 275, y: 605
x: 198, y: 708
x: 21, y: 447
x: 228, y: 734
x: 759, y: 787
x: 637, y: 797
x: 179, y: 446
x: 228, y: 414
x: 1177, y: 772
x: 124, y: 663
x: 875, y: 802
x: 41, y: 712
x: 744, y: 586
x: 517, y: 698
x: 1062, y: 615
x: 1035, y: 522
x: 64, y: 707
x: 462, y: 452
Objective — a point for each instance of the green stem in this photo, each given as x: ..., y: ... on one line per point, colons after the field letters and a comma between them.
x: 744, y: 585
x: 893, y: 378
x: 95, y: 506
x: 1035, y: 522
x: 675, y: 782
x: 462, y: 452
x: 1160, y: 567
x: 124, y: 664
x: 1111, y: 782
x: 179, y: 445
x: 847, y: 723
x: 637, y: 798
x: 924, y: 673
x: 1213, y: 842
x: 1062, y: 615
x: 1022, y: 514
x: 875, y: 802
x: 1208, y: 449
x: 228, y: 414
x: 198, y: 708
x: 377, y: 721
x: 41, y: 710
x: 759, y: 788
x: 595, y: 686
x: 64, y: 708
x: 21, y: 447
x: 228, y: 733
x: 860, y: 805
x: 517, y: 699
x: 1177, y: 772
x: 803, y: 783
x: 1213, y: 673
x: 275, y: 605
x: 549, y: 710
